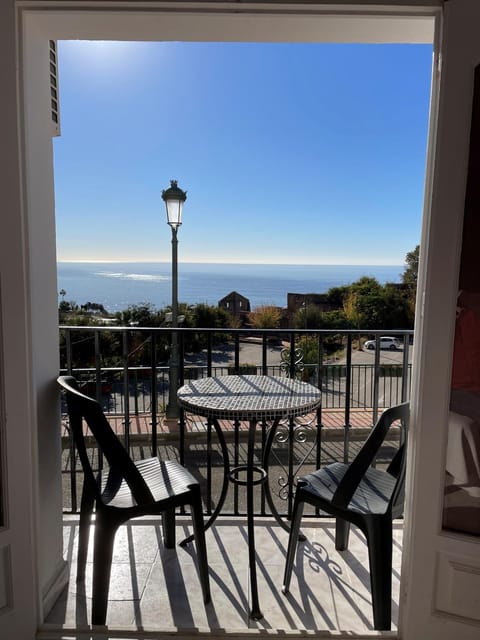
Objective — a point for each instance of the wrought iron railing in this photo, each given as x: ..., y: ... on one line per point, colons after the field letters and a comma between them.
x: 127, y: 370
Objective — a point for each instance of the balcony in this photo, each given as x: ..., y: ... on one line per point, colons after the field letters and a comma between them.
x: 156, y: 588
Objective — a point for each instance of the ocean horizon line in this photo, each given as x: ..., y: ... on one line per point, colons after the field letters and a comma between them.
x: 263, y: 264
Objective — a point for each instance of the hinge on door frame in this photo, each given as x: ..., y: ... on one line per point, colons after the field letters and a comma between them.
x: 438, y: 62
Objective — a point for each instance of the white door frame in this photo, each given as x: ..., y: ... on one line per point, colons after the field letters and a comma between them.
x: 39, y: 21
x: 441, y: 569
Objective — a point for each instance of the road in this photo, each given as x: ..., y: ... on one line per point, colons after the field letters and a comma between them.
x: 250, y: 353
x: 389, y: 390
x: 388, y: 394
x: 367, y: 356
x: 223, y: 357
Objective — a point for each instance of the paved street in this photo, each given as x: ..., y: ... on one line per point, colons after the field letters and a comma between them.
x: 362, y: 383
x: 251, y: 353
x: 390, y: 383
x: 367, y: 356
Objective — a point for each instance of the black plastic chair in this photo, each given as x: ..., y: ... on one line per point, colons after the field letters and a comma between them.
x: 125, y: 490
x: 368, y: 497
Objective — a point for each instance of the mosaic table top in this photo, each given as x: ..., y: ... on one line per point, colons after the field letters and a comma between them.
x: 249, y: 397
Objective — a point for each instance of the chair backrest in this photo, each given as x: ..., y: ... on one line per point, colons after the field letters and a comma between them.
x: 81, y: 407
x: 367, y: 454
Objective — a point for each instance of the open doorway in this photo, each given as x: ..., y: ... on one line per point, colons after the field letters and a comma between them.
x: 322, y: 142
x: 60, y: 37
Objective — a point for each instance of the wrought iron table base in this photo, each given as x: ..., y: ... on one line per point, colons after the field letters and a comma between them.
x: 252, y: 399
x: 232, y: 475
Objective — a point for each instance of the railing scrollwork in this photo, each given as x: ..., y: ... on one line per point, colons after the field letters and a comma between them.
x: 286, y: 362
x: 301, y: 437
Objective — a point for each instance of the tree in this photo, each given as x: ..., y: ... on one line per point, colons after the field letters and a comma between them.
x: 335, y: 319
x: 93, y: 307
x: 336, y: 295
x: 265, y: 317
x: 140, y: 315
x: 409, y: 278
x: 361, y: 303
x: 64, y: 307
x: 353, y: 313
x: 202, y: 316
x: 70, y: 313
x: 365, y: 285
x: 410, y: 274
x: 309, y: 317
x: 205, y: 315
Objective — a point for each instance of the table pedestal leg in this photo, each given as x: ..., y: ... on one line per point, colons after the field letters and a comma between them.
x: 226, y: 474
x: 255, y: 612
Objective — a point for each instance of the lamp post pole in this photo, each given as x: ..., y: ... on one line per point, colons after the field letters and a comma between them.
x: 174, y: 198
x: 172, y: 408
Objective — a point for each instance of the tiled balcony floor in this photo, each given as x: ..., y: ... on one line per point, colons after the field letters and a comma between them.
x: 153, y: 588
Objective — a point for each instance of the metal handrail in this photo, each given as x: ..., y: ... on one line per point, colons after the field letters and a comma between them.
x: 136, y: 388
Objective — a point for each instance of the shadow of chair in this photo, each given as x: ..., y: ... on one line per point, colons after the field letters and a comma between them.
x: 368, y: 497
x: 124, y: 490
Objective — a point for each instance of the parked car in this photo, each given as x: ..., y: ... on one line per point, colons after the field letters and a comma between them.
x: 386, y: 342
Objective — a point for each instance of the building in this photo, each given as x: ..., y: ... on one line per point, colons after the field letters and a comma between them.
x: 296, y: 301
x: 236, y: 304
x: 441, y: 570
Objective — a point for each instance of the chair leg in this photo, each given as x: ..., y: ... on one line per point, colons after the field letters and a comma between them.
x: 168, y: 524
x: 342, y: 533
x: 379, y: 541
x: 293, y: 539
x: 199, y: 534
x: 86, y: 510
x: 102, y: 564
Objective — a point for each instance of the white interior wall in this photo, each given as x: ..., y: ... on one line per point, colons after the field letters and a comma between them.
x: 19, y: 613
x: 40, y: 243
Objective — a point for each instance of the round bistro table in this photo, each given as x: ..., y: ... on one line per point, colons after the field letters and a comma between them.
x: 254, y: 399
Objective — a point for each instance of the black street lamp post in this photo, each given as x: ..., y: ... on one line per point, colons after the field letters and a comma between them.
x: 174, y: 198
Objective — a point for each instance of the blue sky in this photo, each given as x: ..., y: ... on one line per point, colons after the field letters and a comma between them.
x: 290, y: 153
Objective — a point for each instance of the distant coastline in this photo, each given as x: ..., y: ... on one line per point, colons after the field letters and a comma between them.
x: 117, y: 285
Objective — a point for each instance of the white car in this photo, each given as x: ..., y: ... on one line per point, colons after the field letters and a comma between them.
x: 386, y: 342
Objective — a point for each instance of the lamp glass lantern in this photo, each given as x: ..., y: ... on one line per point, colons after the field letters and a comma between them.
x: 174, y: 198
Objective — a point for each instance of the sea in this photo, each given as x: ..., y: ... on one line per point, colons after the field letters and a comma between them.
x: 117, y: 285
